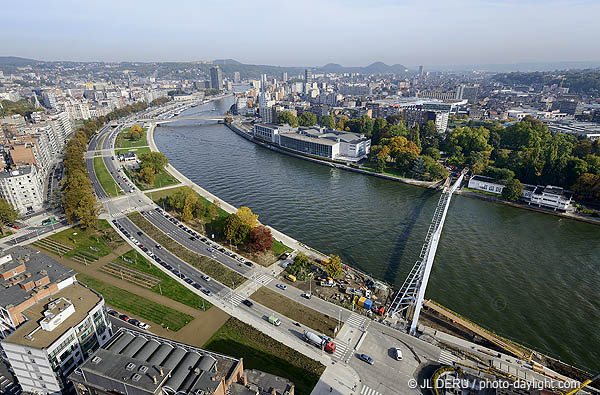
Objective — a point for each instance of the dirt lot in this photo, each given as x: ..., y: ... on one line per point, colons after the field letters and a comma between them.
x: 296, y: 311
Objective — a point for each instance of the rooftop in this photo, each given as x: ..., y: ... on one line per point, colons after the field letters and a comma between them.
x: 303, y: 137
x: 37, y: 264
x: 147, y: 363
x: 31, y: 333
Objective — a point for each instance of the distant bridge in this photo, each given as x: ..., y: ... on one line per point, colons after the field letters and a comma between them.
x: 159, y: 121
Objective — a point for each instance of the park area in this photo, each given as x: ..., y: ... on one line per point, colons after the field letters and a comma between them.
x: 82, y: 245
x: 126, y: 139
x: 121, y: 299
x: 261, y: 352
x: 133, y: 267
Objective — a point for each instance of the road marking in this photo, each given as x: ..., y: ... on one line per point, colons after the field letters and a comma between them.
x: 368, y: 391
x: 264, y: 279
x: 447, y: 358
x: 357, y: 321
x: 340, y: 350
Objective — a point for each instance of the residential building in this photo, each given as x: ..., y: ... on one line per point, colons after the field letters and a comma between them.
x: 486, y: 184
x: 61, y: 331
x: 27, y: 277
x: 216, y: 78
x: 139, y: 363
x: 49, y: 100
x: 236, y: 77
x: 467, y: 92
x: 22, y: 188
x: 284, y: 76
x: 420, y: 116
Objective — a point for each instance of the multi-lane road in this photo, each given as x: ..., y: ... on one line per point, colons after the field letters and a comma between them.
x: 385, y: 376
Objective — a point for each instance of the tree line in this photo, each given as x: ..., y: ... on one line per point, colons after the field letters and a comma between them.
x: 79, y: 201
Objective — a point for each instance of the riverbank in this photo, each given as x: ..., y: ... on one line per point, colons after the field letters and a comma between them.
x: 426, y: 184
x: 338, y: 165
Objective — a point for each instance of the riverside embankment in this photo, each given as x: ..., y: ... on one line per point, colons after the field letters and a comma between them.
x: 530, y: 277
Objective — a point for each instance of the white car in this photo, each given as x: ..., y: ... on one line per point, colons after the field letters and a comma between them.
x: 143, y: 325
x: 397, y: 353
x: 205, y: 277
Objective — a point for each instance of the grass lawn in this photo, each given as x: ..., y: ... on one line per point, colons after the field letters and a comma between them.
x: 6, y: 234
x: 168, y: 286
x: 125, y: 142
x: 203, y: 263
x: 90, y: 243
x: 262, y: 352
x: 108, y: 183
x: 279, y: 248
x: 134, y: 304
x: 296, y: 311
x: 162, y: 179
x: 137, y: 151
x: 388, y: 171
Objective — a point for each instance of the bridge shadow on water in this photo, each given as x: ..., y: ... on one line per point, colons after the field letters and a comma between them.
x: 405, y: 228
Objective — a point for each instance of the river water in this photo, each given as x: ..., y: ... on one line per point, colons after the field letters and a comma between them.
x: 531, y: 277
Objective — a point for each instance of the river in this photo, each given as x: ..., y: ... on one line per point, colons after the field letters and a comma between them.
x: 531, y: 277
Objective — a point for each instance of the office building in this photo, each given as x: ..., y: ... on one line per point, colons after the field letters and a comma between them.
x: 216, y: 78
x: 22, y: 188
x: 284, y: 76
x: 236, y: 77
x: 139, y: 363
x: 467, y: 92
x: 308, y: 77
x: 316, y: 141
x: 60, y: 332
x: 49, y: 100
x: 420, y: 71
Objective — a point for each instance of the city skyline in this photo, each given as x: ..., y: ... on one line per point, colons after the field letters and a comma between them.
x: 348, y: 33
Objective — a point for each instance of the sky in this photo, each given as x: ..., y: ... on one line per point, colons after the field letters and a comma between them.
x: 304, y: 33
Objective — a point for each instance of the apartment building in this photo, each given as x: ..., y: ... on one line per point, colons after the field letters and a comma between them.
x: 60, y: 333
x: 23, y: 188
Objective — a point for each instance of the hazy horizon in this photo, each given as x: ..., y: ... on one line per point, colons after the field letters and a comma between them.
x: 309, y: 33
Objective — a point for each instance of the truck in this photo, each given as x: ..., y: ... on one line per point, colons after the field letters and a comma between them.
x: 316, y: 340
x: 274, y: 320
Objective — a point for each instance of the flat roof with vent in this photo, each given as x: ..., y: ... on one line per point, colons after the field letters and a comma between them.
x: 156, y: 364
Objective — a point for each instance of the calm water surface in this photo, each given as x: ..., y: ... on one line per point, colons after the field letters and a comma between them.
x: 529, y: 276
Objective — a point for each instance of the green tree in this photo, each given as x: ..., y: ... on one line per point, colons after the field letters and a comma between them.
x: 212, y: 211
x: 327, y: 121
x: 513, y: 190
x: 341, y: 122
x: 147, y: 175
x: 8, y: 214
x: 199, y: 209
x: 287, y: 117
x: 307, y: 119
x: 231, y: 227
x: 334, y: 267
x: 155, y: 160
x: 587, y: 186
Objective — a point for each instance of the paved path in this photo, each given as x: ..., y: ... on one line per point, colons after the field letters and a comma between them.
x: 195, y: 333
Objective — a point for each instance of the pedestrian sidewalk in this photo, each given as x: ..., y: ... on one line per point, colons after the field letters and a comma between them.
x: 338, y: 379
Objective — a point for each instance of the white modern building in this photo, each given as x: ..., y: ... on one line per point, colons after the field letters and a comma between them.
x: 60, y: 333
x: 552, y: 197
x: 486, y: 184
x: 22, y: 188
x: 322, y: 142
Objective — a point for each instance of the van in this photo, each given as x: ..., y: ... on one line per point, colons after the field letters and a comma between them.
x: 290, y: 277
x: 397, y: 353
x: 274, y: 320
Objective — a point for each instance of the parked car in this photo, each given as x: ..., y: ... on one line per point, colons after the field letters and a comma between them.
x: 158, y: 246
x: 366, y: 358
x: 281, y: 286
x: 140, y: 233
x: 124, y: 317
x: 205, y: 277
x: 133, y: 321
x: 143, y: 325
x: 114, y: 313
x: 306, y: 295
x: 207, y: 291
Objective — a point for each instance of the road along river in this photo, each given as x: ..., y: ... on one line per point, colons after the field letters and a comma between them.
x: 529, y: 276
